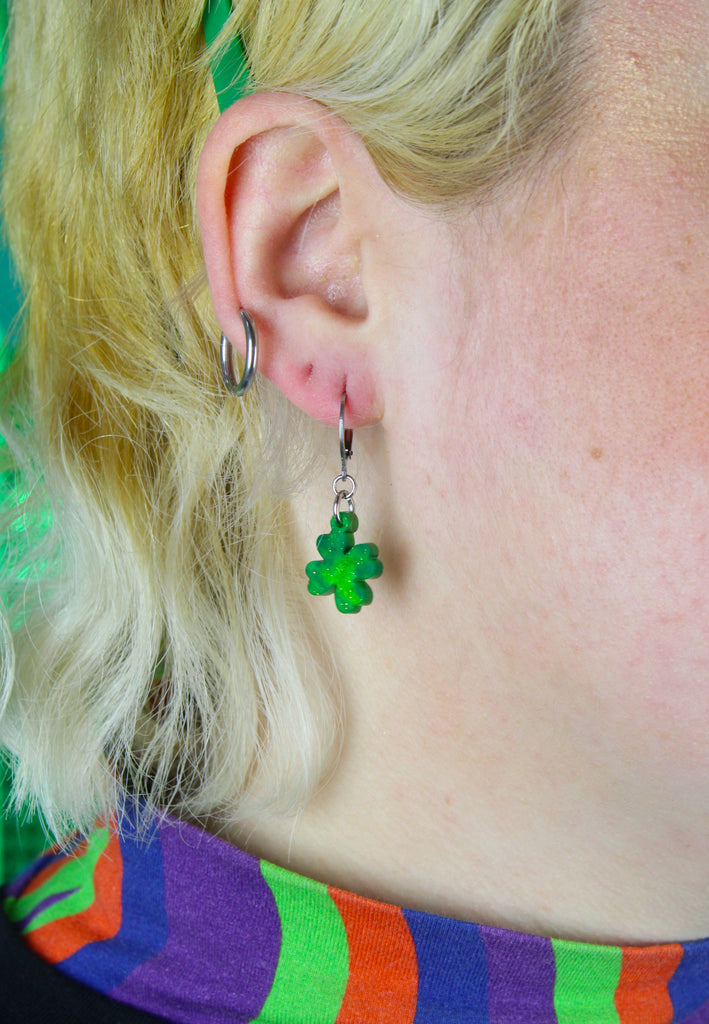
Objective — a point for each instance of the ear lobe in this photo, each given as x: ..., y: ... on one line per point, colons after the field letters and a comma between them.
x: 282, y: 232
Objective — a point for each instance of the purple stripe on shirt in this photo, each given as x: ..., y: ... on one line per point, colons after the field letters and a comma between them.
x: 221, y: 952
x: 700, y: 1017
x: 18, y: 885
x: 49, y: 901
x: 521, y: 977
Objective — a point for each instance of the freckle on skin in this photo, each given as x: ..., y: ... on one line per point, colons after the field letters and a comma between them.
x: 597, y: 453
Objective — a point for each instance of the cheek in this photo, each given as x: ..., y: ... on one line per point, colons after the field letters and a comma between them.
x: 602, y: 574
x: 613, y: 368
x: 599, y: 473
x: 636, y: 393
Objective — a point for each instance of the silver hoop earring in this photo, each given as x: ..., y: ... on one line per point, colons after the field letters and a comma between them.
x: 235, y: 387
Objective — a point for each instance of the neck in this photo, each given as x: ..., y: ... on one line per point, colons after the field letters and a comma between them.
x: 470, y: 789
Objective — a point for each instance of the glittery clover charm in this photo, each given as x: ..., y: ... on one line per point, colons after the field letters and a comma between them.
x: 344, y: 566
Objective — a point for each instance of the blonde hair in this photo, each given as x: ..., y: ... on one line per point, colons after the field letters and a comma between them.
x: 157, y: 623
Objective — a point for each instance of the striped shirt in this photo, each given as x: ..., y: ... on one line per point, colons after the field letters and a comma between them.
x: 180, y: 924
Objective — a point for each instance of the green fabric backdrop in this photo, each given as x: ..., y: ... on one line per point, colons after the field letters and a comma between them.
x: 21, y: 837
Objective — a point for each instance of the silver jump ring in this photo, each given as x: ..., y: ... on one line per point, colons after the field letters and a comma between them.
x: 341, y: 496
x: 345, y: 438
x: 235, y: 387
x: 346, y: 492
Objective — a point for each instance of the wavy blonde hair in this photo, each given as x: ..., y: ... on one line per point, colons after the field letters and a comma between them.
x: 156, y: 622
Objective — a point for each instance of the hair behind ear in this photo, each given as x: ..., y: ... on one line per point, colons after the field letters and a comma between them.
x: 170, y: 537
x: 451, y: 99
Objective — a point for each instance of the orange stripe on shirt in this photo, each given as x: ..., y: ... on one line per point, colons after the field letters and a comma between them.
x: 383, y: 977
x: 642, y: 996
x: 60, y: 939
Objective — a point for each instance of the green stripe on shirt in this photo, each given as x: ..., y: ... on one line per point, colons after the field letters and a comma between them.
x: 586, y: 981
x: 312, y: 970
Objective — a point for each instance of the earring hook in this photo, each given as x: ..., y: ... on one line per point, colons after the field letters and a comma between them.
x: 345, y: 437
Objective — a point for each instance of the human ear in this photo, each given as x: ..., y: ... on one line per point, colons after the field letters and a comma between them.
x: 287, y: 198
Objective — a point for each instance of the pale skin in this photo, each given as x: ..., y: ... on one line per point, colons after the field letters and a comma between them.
x: 527, y: 701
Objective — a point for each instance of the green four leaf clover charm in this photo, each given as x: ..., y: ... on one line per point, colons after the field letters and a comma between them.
x: 344, y: 566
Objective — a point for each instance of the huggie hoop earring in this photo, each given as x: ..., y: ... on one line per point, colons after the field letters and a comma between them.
x: 235, y: 387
